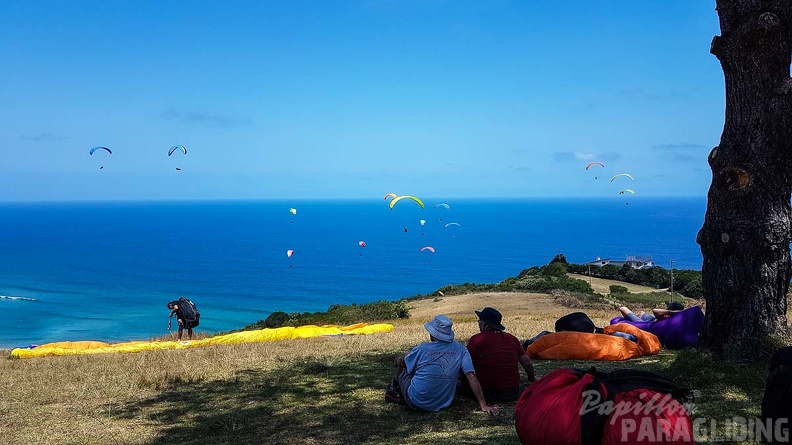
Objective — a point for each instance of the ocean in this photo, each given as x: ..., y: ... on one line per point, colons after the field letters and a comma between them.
x: 105, y: 271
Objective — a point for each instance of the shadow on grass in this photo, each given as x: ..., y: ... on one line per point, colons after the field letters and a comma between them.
x: 724, y: 389
x: 340, y: 401
x: 329, y: 401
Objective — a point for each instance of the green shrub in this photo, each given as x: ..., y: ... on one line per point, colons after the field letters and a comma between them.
x: 617, y: 289
x: 528, y: 272
x: 546, y: 284
x: 276, y: 319
x: 337, y: 314
x: 560, y: 258
x: 556, y: 269
x: 693, y: 289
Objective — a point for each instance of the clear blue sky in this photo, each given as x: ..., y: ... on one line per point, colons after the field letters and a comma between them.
x: 355, y: 99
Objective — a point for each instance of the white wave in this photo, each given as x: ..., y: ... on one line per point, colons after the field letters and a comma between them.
x: 5, y: 297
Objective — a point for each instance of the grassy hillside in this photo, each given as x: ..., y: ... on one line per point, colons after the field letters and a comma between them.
x: 313, y: 391
x: 602, y: 285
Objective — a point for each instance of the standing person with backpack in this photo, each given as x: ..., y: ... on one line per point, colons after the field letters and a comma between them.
x: 187, y: 316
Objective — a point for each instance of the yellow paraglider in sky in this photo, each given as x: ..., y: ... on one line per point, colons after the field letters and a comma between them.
x: 399, y: 198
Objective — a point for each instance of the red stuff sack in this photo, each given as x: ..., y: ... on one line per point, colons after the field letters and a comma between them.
x: 574, y: 406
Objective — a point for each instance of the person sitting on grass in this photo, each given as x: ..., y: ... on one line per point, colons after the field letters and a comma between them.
x: 672, y: 307
x: 495, y: 355
x: 427, y: 375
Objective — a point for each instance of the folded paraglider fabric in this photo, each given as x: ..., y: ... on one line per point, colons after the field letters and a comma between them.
x: 585, y: 346
x: 261, y: 335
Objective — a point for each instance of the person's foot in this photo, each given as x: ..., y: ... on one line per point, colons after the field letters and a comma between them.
x: 640, y: 314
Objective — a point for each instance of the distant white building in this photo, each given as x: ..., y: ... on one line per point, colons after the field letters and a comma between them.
x: 600, y: 261
x: 634, y: 261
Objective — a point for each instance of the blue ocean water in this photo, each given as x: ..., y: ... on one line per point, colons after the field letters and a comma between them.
x: 105, y: 271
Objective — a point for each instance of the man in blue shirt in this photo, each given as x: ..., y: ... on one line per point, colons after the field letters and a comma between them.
x: 428, y: 374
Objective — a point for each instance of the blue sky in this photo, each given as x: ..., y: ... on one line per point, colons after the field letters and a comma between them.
x: 355, y: 99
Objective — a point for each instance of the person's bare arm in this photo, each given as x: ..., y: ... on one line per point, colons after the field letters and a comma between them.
x: 525, y: 361
x: 476, y: 388
x: 400, y: 365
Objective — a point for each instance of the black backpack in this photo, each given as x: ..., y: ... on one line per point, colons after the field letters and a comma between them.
x: 576, y: 322
x: 188, y: 312
x: 777, y: 400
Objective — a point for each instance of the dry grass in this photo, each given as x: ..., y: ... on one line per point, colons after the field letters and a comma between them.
x: 315, y: 391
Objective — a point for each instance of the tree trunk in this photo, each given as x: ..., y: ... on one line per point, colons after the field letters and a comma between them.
x: 746, y: 233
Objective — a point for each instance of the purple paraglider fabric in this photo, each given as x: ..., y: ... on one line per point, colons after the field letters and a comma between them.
x: 677, y: 331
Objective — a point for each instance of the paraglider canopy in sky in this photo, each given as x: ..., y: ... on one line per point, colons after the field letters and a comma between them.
x: 289, y: 253
x: 429, y: 248
x: 623, y: 174
x: 293, y: 211
x: 362, y: 243
x: 91, y: 152
x: 399, y: 198
x: 442, y: 205
x: 177, y: 147
x: 389, y: 195
x: 99, y: 148
x: 594, y: 163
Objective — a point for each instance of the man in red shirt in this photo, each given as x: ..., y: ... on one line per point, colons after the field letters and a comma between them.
x: 495, y: 355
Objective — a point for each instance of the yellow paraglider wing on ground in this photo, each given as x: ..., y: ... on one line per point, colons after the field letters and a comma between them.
x: 261, y: 335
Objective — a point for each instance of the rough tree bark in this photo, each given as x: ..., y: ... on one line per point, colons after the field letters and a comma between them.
x: 746, y: 233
